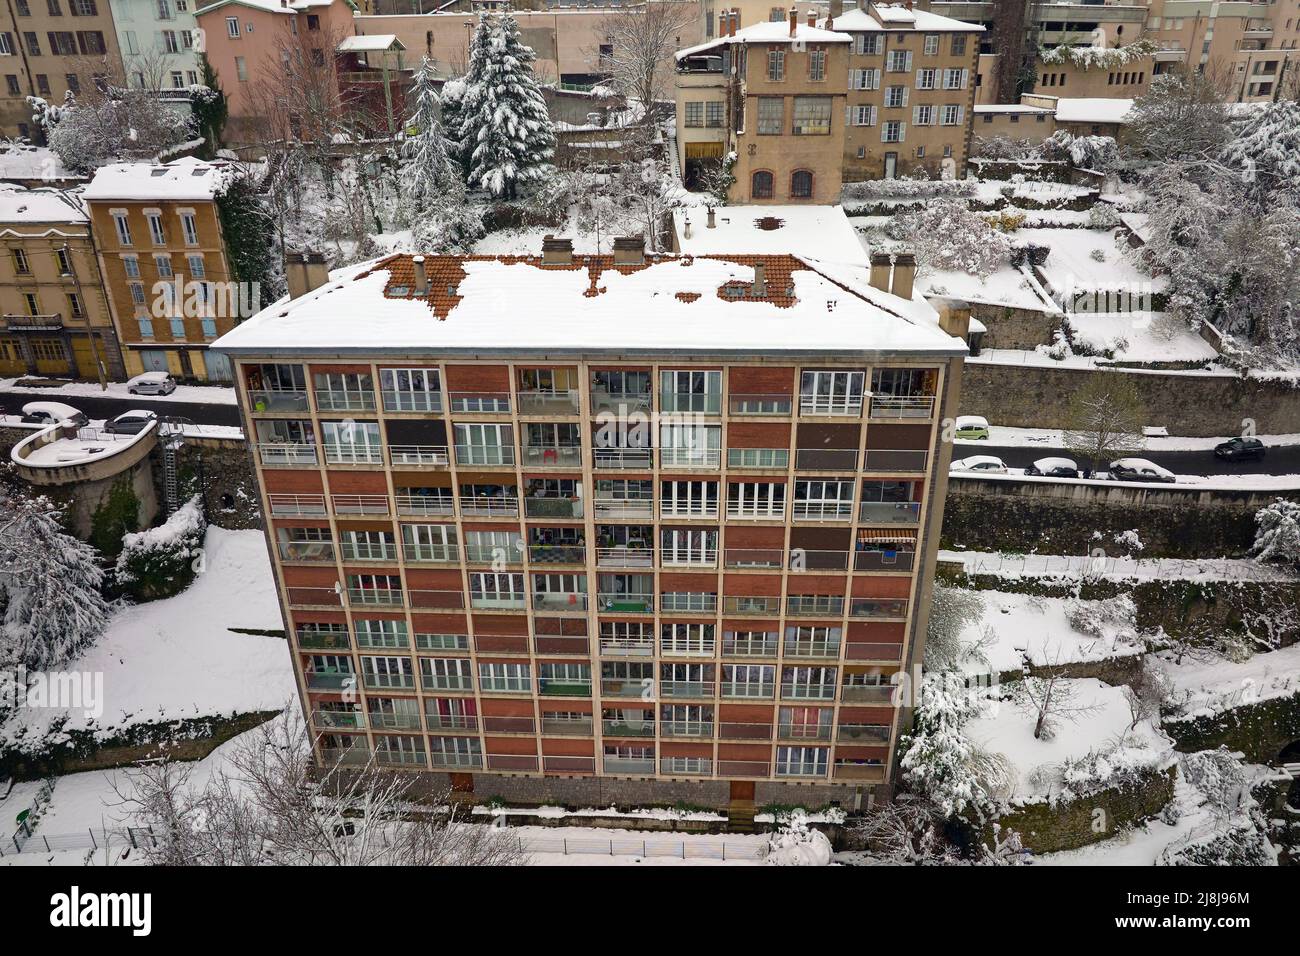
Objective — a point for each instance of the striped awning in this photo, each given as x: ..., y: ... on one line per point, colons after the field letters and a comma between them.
x: 883, y: 536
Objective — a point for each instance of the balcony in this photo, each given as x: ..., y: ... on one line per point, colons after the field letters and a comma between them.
x: 567, y: 726
x: 677, y: 558
x: 690, y: 457
x: 351, y: 505
x: 557, y: 554
x: 453, y: 682
x: 430, y: 553
x: 490, y: 506
x: 330, y: 400
x: 345, y: 756
x: 622, y: 403
x: 751, y: 605
x: 622, y: 459
x: 889, y: 512
x: 840, y: 406
x: 862, y: 733
x: 754, y: 558
x: 368, y: 551
x: 869, y: 772
x: 455, y: 761
x: 313, y: 597
x: 744, y: 731
x: 485, y: 456
x: 874, y: 560
x: 540, y: 507
x: 559, y: 601
x: 759, y: 769
x: 888, y: 459
x: 552, y: 456
x: 626, y: 603
x: 376, y: 597
x: 699, y: 403
x: 627, y: 687
x: 419, y: 456
x: 767, y: 459
x: 499, y: 601
x: 352, y: 453
x: 801, y: 768
x: 867, y: 693
x: 803, y: 731
x: 624, y: 765
x: 307, y: 551
x: 424, y: 505
x: 688, y: 602
x: 760, y: 404
x: 375, y: 681
x: 872, y: 608
x: 801, y: 560
x: 625, y: 507
x: 814, y: 606
x: 511, y: 762
x: 382, y: 720
x: 330, y: 680
x: 453, y: 723
x: 496, y: 403
x: 756, y: 647
x: 687, y: 766
x: 297, y: 506
x: 442, y: 642
x: 323, y: 640
x: 823, y: 510
x: 504, y: 685
x: 748, y: 690
x: 397, y: 401
x: 568, y: 764
x: 623, y: 728
x: 627, y: 646
x: 687, y: 688
x: 688, y: 509
x: 287, y: 454
x: 625, y: 557
x: 383, y: 640
x: 889, y: 653
x: 563, y: 402
x: 436, y: 600
x: 909, y: 406
x: 826, y: 459
x: 338, y: 719
x: 567, y: 687
x: 827, y: 650
x: 807, y: 691
x: 492, y: 554
x: 277, y: 400
x: 686, y: 728
x: 767, y: 511
x: 563, y: 644
x: 672, y: 647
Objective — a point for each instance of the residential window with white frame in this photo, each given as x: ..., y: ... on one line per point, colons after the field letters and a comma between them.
x: 484, y: 444
x: 496, y: 590
x: 505, y: 677
x: 156, y: 233
x: 869, y: 44
x: 232, y: 27
x: 931, y: 47
x: 950, y: 115
x: 694, y: 114
x: 812, y: 116
x: 923, y: 115
x: 748, y: 680
x: 776, y: 65
x: 692, y: 445
x: 771, y: 115
x: 895, y: 96
x: 899, y: 61
x: 864, y: 115
x: 714, y: 111
x: 816, y: 65
x: 197, y: 269
x: 954, y: 79
x: 831, y: 392
x: 809, y: 683
x: 958, y: 44
x: 688, y: 499
x: 866, y: 78
x: 683, y: 639
x: 169, y: 42
x: 164, y: 266
x: 690, y: 391
x: 411, y: 389
x: 123, y: 228
x: 926, y: 78
x: 756, y: 499
x: 823, y: 498
x: 802, y: 761
x: 689, y: 546
x: 189, y: 229
x: 892, y: 132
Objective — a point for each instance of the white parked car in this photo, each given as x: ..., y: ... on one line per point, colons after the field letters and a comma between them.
x: 152, y: 383
x: 48, y: 413
x: 1139, y: 469
x: 130, y: 423
x: 980, y: 464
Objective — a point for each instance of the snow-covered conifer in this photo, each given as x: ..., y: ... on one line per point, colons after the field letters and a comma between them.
x: 1278, y: 536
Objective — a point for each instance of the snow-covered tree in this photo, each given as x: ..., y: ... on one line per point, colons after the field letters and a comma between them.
x: 50, y: 585
x: 1181, y: 116
x: 939, y: 762
x: 504, y: 120
x: 120, y: 125
x: 433, y: 194
x: 1098, y: 153
x: 952, y: 611
x: 451, y: 107
x: 159, y: 562
x: 649, y: 192
x: 641, y: 42
x: 1052, y: 698
x: 1266, y: 150
x: 946, y: 235
x: 1104, y: 419
x: 1277, y: 537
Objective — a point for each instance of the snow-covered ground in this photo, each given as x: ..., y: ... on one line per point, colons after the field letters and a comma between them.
x: 1142, y: 845
x: 1208, y: 687
x: 1118, y: 568
x: 209, y: 394
x: 1139, y: 337
x: 1004, y: 436
x: 177, y: 658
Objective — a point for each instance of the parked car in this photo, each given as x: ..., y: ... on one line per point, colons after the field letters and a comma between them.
x: 1053, y: 468
x: 152, y: 383
x: 48, y: 413
x: 980, y: 464
x: 971, y: 426
x: 130, y: 423
x: 1139, y: 469
x: 1240, y: 449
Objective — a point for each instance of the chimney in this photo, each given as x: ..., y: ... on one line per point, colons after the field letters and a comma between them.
x: 557, y: 252
x: 686, y: 226
x: 759, y: 288
x: 304, y: 272
x: 908, y: 4
x: 794, y: 21
x: 880, y: 271
x: 421, y: 277
x: 812, y: 18
x: 954, y: 316
x: 904, y: 275
x: 733, y: 22
x: 836, y: 9
x: 712, y: 222
x: 629, y: 251
x: 724, y: 21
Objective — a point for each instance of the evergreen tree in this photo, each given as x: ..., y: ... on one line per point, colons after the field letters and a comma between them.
x: 504, y: 112
x: 451, y: 109
x: 246, y: 224
x: 50, y: 583
x: 210, y: 108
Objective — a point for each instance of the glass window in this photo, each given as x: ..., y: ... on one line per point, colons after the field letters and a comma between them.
x: 771, y: 115
x: 812, y: 116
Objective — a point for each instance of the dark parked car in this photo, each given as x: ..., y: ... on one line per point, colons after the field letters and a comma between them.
x: 1053, y: 468
x: 1139, y: 469
x: 130, y: 423
x: 1240, y: 449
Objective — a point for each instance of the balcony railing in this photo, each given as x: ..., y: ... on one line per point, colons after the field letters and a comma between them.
x: 455, y: 761
x: 553, y: 456
x: 911, y: 406
x: 623, y: 402
x: 568, y: 764
x: 705, y: 403
x: 687, y: 766
x: 322, y: 551
x: 287, y: 454
x: 744, y: 768
x: 627, y: 687
x: 557, y: 554
x: 616, y: 459
x: 688, y: 509
x: 625, y: 507
x: 376, y: 681
x: 626, y: 603
x: 867, y: 693
x: 297, y: 506
x: 803, y: 731
x: 486, y: 456
x: 889, y: 512
x: 493, y: 554
x: 329, y: 400
x: 838, y: 405
x: 873, y: 652
x: 687, y: 688
x: 690, y: 457
x: 564, y: 402
x: 814, y: 606
x: 436, y: 600
x: 629, y: 765
x: 278, y: 400
x: 626, y: 646
x: 351, y: 453
x: 435, y: 553
x: 624, y: 728
x: 408, y: 504
x: 476, y: 402
x: 442, y: 642
x: 455, y: 722
x: 376, y: 597
x: 564, y: 687
x: 490, y: 506
x: 688, y: 602
x: 889, y: 459
x: 313, y: 597
x: 702, y: 558
x: 537, y: 507
x: 338, y: 719
x: 330, y: 680
x: 323, y: 640
x: 398, y: 401
x: 671, y: 647
x: 345, y: 756
x: 567, y: 726
x: 760, y: 404
x: 511, y: 762
x: 368, y: 551
x: 871, y: 772
x: 823, y: 510
x: 381, y: 720
x: 559, y: 601
x: 883, y: 560
x: 455, y: 682
x: 862, y: 733
x: 686, y: 728
x: 505, y: 685
x: 749, y: 690
x: 822, y: 649
x: 871, y: 607
x: 754, y: 557
x: 751, y: 604
x: 500, y: 601
x: 775, y: 459
x: 800, y: 768
x: 766, y: 511
x: 360, y: 504
x: 728, y: 730
x: 419, y: 456
x: 624, y: 557
x: 755, y: 647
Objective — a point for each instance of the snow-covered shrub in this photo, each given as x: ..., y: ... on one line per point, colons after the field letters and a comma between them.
x: 1129, y: 540
x: 1001, y: 147
x: 1097, y: 255
x: 952, y: 611
x: 1278, y: 536
x: 946, y: 235
x: 1006, y: 220
x: 1112, y: 617
x: 1103, y: 215
x: 1098, y: 153
x: 795, y: 843
x: 160, y: 562
x: 908, y: 187
x: 122, y: 125
x: 1266, y: 149
x: 1219, y: 776
x: 1097, y: 57
x: 1242, y: 844
x: 1122, y: 763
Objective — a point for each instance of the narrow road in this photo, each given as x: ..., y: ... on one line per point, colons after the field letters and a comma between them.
x: 1284, y: 460
x: 200, y: 413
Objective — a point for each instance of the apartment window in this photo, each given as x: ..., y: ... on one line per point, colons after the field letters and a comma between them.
x: 864, y: 79
x: 137, y: 293
x: 33, y: 42
x: 11, y: 82
x: 20, y: 262
x: 33, y: 307
x: 959, y: 44
x: 695, y: 114
x: 91, y: 43
x: 831, y: 393
x: 64, y: 261
x: 73, y: 81
x: 146, y: 327
x: 232, y: 27
x: 313, y: 22
x: 776, y: 64
x: 931, y: 47
x: 55, y: 9
x: 801, y: 184
x: 899, y: 61
x: 920, y: 152
x: 776, y: 15
x: 923, y: 115
x: 817, y: 65
x: 123, y: 228
x: 892, y: 132
x: 209, y: 328
x: 771, y: 115
x: 241, y: 69
x: 164, y: 9
x: 131, y: 265
x: 42, y: 84
x: 178, y: 328
x: 75, y: 308
x: 189, y: 229
x: 24, y: 10
x: 169, y: 42
x: 713, y: 113
x: 954, y: 79
x: 164, y: 266
x: 812, y: 116
x: 6, y: 44
x: 197, y: 270
x: 756, y: 499
x: 925, y: 78
x: 83, y: 8
x: 689, y: 499
x: 895, y: 96
x: 950, y: 116
x: 870, y: 44
x: 802, y: 761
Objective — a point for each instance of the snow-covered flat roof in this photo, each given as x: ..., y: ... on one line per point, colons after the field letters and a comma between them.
x: 1092, y: 110
x: 185, y: 178
x: 769, y: 33
x: 1009, y: 108
x: 511, y: 304
x: 269, y: 6
x: 816, y: 232
x: 898, y: 17
x: 370, y: 43
x: 39, y: 206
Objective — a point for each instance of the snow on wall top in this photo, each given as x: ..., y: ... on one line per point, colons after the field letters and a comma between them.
x: 513, y: 303
x: 768, y: 33
x: 818, y: 232
x: 898, y: 17
x: 1092, y: 110
x: 184, y: 178
x: 35, y: 206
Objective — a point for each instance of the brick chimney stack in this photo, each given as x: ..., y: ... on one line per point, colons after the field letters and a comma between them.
x: 794, y: 20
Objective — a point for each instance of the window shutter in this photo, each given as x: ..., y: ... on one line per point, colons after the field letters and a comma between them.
x: 882, y: 132
x: 902, y: 132
x: 907, y: 61
x: 964, y: 76
x: 961, y: 114
x: 905, y: 96
x: 916, y: 115
x: 848, y: 116
x: 918, y: 78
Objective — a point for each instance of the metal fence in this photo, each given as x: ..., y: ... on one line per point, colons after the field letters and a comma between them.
x: 677, y: 849
x: 1066, y: 565
x: 24, y: 841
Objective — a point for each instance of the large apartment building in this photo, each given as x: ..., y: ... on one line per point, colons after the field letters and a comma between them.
x: 629, y: 527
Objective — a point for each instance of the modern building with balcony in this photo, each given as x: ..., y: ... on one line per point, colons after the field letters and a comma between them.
x: 561, y: 526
